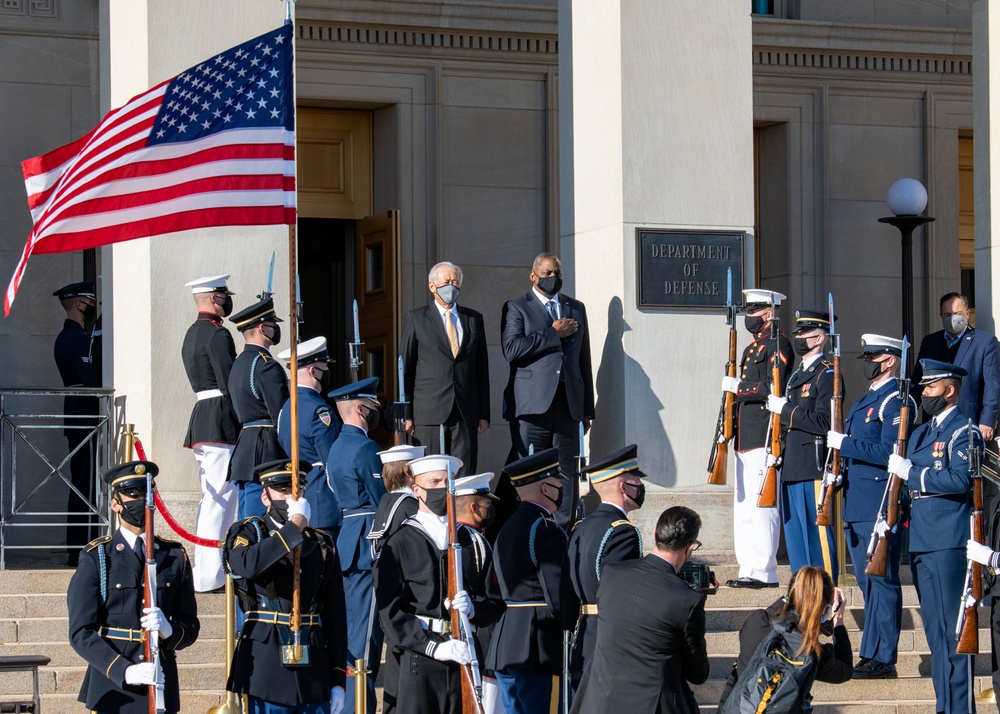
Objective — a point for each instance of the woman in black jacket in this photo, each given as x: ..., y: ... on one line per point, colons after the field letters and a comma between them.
x: 813, y: 605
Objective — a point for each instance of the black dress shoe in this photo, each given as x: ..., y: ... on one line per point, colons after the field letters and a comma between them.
x: 750, y: 583
x: 873, y: 669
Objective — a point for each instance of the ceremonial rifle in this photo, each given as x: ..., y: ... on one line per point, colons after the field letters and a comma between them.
x: 768, y: 495
x: 831, y: 474
x: 472, y: 682
x: 967, y: 631
x: 355, y: 347
x: 151, y: 646
x: 878, y: 547
x: 718, y: 459
x: 401, y: 407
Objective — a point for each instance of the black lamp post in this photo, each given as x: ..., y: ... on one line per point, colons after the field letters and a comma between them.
x: 907, y: 199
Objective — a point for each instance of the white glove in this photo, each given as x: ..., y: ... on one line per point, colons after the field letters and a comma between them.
x: 730, y: 384
x: 299, y: 507
x: 834, y: 439
x: 770, y: 460
x: 336, y: 700
x: 452, y: 651
x: 775, y: 404
x: 155, y: 621
x: 143, y: 674
x: 900, y: 466
x: 978, y: 552
x: 462, y: 602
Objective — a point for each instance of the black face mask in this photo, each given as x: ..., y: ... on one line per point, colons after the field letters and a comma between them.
x: 275, y: 335
x: 753, y: 323
x: 640, y: 493
x: 872, y: 370
x: 550, y: 285
x: 558, y: 499
x: 227, y: 306
x: 89, y: 313
x: 324, y: 381
x: 133, y: 512
x: 436, y: 501
x: 491, y: 514
x: 278, y: 511
x: 801, y: 346
x: 934, y: 405
x: 371, y: 419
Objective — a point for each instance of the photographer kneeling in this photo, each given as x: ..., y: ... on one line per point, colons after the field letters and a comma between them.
x: 780, y: 651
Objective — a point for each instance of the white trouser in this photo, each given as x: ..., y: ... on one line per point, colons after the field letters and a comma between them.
x: 492, y: 701
x: 216, y: 512
x: 755, y: 530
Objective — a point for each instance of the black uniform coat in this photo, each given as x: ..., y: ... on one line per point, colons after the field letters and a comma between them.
x: 752, y: 415
x: 480, y: 580
x: 650, y: 642
x: 806, y: 417
x: 533, y: 572
x: 393, y: 509
x: 265, y: 566
x: 259, y: 388
x: 104, y: 687
x: 537, y: 356
x: 434, y: 380
x: 72, y: 355
x: 605, y: 536
x: 208, y: 353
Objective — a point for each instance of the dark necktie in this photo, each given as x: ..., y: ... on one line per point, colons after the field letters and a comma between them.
x: 550, y: 306
x: 139, y: 549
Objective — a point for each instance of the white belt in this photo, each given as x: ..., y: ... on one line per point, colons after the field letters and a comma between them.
x: 435, y: 624
x: 208, y: 394
x: 356, y: 515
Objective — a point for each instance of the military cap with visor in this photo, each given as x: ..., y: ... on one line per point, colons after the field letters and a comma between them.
x: 86, y: 288
x: 131, y: 474
x: 808, y: 320
x: 258, y: 313
x: 872, y: 344
x: 275, y: 474
x: 621, y: 462
x: 935, y: 370
x: 534, y: 467
x: 309, y: 352
x: 756, y: 298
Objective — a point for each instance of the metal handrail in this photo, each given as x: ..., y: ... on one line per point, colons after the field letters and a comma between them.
x: 34, y: 461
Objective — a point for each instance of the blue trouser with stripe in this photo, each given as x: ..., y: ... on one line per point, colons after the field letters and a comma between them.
x: 807, y: 543
x: 883, y: 596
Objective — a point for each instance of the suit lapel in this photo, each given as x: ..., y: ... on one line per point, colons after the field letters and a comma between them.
x: 534, y: 305
x: 436, y: 325
x: 463, y: 319
x: 964, y: 345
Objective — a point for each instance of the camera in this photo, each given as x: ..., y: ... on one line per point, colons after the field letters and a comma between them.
x: 699, y: 577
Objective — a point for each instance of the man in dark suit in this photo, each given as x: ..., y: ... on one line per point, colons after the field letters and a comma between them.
x: 973, y: 350
x: 550, y: 391
x: 651, y: 629
x: 938, y: 476
x: 605, y: 536
x: 446, y: 370
x: 805, y: 414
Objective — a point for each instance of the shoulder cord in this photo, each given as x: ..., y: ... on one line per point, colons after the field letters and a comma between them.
x: 253, y: 371
x: 604, y: 542
x: 101, y: 558
x: 951, y: 441
x: 889, y: 398
x: 225, y: 559
x: 531, y: 538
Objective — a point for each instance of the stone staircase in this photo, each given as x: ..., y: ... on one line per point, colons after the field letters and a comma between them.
x: 33, y: 622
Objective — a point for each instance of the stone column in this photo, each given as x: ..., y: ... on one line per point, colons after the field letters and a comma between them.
x: 656, y: 119
x: 986, y: 132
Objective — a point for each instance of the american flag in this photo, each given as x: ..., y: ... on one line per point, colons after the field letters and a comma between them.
x: 214, y: 146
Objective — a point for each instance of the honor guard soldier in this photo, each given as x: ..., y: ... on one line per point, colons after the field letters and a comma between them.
x: 107, y: 622
x: 208, y: 353
x: 475, y: 509
x: 73, y: 358
x: 396, y: 506
x: 318, y: 429
x: 939, y: 479
x: 872, y: 427
x: 756, y: 530
x: 355, y: 472
x: 258, y: 387
x: 805, y: 415
x: 259, y: 556
x: 526, y: 651
x: 411, y: 577
x: 605, y: 536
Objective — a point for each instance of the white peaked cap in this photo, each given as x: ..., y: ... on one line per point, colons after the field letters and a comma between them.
x: 476, y: 485
x: 403, y: 452
x: 210, y: 284
x: 757, y: 296
x: 310, y: 351
x: 436, y: 462
x: 880, y: 344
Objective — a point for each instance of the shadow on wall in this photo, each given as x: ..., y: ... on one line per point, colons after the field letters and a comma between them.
x: 637, y: 405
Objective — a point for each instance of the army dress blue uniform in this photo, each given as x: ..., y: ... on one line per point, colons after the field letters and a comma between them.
x: 872, y: 427
x: 806, y: 417
x: 208, y: 353
x: 355, y: 472
x: 259, y: 553
x: 533, y: 573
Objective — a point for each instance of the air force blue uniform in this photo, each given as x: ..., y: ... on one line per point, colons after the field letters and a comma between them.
x: 318, y: 429
x: 872, y: 427
x: 355, y: 472
x: 939, y: 484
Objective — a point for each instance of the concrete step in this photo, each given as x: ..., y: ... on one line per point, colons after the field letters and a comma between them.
x: 62, y: 654
x: 913, y: 689
x: 196, y: 700
x: 910, y: 664
x: 67, y: 680
x: 899, y: 707
x: 727, y: 620
x: 742, y: 597
x: 910, y: 641
x: 53, y: 629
